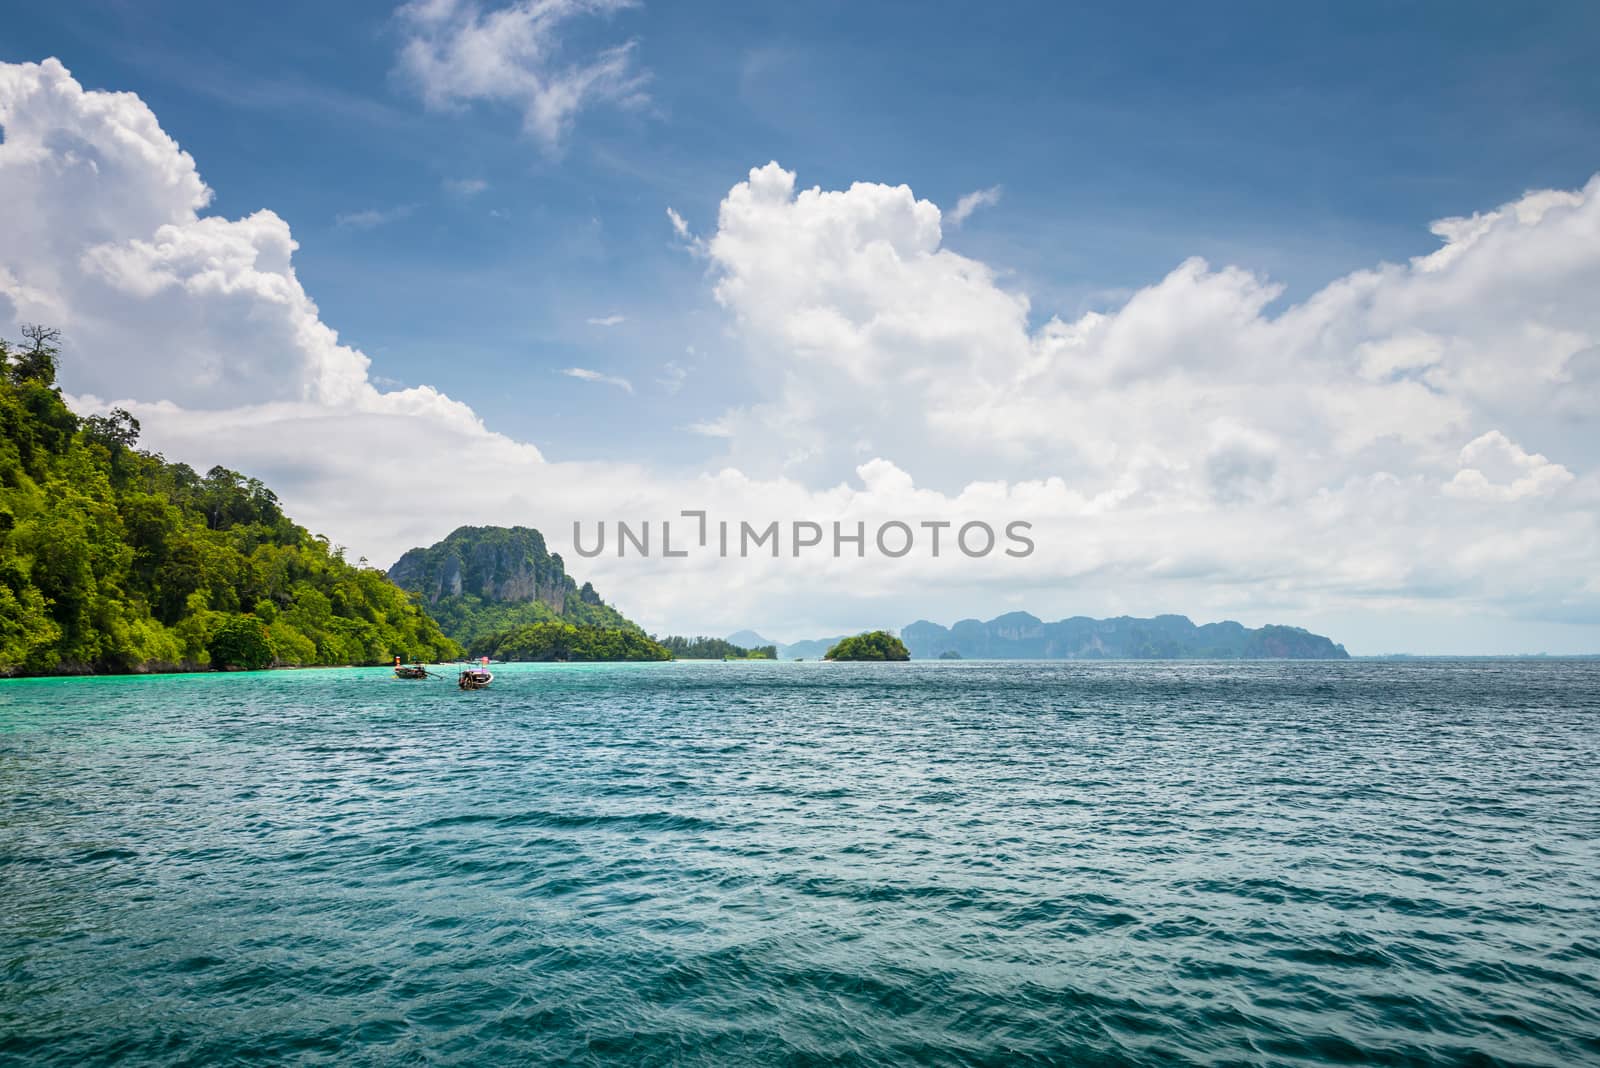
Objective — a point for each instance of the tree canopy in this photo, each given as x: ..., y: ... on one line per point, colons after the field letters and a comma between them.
x: 567, y: 641
x: 113, y: 559
x: 703, y: 648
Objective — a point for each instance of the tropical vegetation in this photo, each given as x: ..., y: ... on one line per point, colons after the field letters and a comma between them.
x: 704, y: 648
x: 569, y: 642
x: 873, y: 645
x: 113, y: 559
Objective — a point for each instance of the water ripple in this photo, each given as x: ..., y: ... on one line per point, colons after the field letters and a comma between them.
x: 807, y: 864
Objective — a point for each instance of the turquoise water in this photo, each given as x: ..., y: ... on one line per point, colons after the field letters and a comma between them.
x: 806, y: 864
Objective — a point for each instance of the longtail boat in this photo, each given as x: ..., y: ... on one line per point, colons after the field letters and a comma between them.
x: 413, y: 671
x: 476, y: 678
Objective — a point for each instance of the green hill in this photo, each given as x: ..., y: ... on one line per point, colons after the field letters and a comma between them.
x: 114, y: 560
x: 483, y: 582
x: 873, y: 645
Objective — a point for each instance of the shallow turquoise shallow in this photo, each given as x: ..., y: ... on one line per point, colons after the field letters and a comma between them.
x: 806, y: 864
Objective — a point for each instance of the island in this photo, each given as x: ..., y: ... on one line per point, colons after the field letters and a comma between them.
x: 503, y: 594
x: 873, y: 645
x: 1023, y: 636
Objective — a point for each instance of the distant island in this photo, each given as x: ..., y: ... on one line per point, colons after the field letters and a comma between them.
x: 482, y: 583
x: 1021, y: 636
x: 704, y: 648
x: 873, y: 645
x: 814, y: 648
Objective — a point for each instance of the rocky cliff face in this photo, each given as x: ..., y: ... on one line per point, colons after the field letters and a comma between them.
x: 494, y: 563
x: 1020, y: 636
x: 486, y: 579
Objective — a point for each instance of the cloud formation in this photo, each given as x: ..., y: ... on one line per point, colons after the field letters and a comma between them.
x: 457, y: 52
x: 586, y: 375
x: 372, y: 218
x: 1416, y: 437
x: 607, y: 320
x: 970, y: 203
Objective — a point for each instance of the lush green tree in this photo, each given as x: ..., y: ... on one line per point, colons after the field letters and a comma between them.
x: 38, y: 361
x: 116, y: 431
x: 242, y: 641
x: 873, y: 645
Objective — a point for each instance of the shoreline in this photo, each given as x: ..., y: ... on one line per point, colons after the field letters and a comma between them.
x: 81, y: 672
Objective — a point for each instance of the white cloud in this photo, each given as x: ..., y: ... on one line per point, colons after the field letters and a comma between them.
x: 712, y: 428
x: 607, y: 320
x: 1494, y: 468
x: 372, y: 218
x: 457, y: 52
x: 587, y: 375
x: 673, y: 375
x: 695, y: 244
x: 1400, y: 441
x: 465, y: 187
x: 972, y: 202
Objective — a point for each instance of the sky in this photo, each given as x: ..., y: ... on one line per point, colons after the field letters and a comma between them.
x: 1278, y: 313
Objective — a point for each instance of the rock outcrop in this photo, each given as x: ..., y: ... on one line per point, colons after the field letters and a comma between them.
x: 482, y: 580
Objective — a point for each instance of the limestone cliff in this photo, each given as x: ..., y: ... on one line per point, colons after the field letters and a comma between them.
x: 483, y: 580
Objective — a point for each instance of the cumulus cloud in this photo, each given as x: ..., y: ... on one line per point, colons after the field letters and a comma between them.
x: 970, y: 203
x: 457, y: 52
x: 587, y: 375
x: 1349, y: 410
x: 1400, y: 440
x: 1494, y: 468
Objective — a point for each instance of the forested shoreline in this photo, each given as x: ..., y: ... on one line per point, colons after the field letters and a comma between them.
x: 114, y: 560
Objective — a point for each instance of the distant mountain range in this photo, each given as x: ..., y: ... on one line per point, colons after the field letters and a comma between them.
x: 1021, y: 636
x: 810, y: 649
x: 484, y: 581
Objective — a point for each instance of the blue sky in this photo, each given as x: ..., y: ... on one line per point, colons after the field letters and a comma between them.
x: 1302, y: 140
x: 1296, y: 148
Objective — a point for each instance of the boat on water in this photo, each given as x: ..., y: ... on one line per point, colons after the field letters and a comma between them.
x: 477, y: 677
x: 411, y: 671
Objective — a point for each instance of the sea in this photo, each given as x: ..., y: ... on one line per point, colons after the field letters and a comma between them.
x: 951, y: 863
